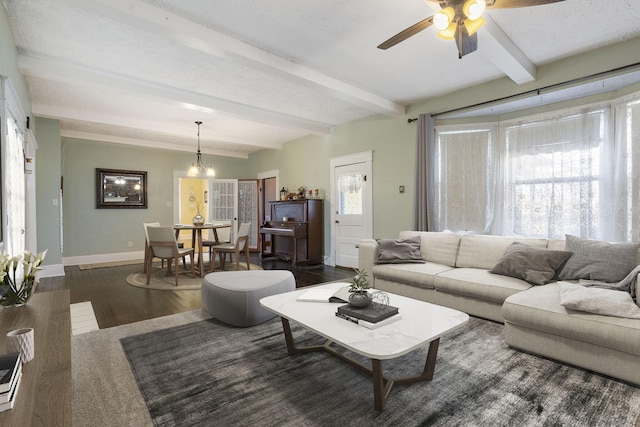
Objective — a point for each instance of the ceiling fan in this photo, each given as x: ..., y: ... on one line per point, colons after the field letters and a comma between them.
x: 460, y: 20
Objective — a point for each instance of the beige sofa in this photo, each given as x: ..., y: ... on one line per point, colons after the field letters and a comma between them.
x: 456, y: 274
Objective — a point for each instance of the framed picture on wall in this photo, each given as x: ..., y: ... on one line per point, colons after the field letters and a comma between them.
x: 121, y: 189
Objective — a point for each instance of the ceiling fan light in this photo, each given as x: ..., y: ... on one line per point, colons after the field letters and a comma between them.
x: 473, y: 25
x: 474, y: 9
x: 449, y: 33
x: 442, y: 20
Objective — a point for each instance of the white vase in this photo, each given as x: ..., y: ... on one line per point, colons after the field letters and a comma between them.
x: 21, y: 341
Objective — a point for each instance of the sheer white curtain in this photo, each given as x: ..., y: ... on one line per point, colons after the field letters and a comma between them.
x: 573, y: 172
x: 15, y: 189
x: 464, y: 171
x: 555, y: 171
x: 626, y: 188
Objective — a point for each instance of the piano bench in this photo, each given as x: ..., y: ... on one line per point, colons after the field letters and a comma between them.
x: 233, y: 297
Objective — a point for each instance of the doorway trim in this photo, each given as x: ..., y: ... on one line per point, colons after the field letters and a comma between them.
x: 275, y: 173
x: 365, y: 157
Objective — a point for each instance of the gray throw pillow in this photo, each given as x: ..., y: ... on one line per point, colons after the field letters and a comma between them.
x: 596, y: 260
x: 535, y: 265
x: 607, y: 302
x: 399, y: 251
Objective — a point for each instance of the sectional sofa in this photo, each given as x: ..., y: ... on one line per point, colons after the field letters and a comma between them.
x: 455, y: 270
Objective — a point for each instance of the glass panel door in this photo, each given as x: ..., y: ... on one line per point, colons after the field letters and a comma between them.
x: 223, y: 203
x: 248, y: 208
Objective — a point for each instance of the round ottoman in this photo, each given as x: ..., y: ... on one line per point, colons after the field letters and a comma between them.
x: 234, y: 297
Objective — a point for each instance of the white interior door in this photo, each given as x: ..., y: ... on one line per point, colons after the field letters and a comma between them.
x: 352, y: 216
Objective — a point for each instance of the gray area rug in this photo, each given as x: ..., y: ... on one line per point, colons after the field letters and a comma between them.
x: 206, y: 373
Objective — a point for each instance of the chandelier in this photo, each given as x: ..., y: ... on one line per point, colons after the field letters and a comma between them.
x: 198, y: 168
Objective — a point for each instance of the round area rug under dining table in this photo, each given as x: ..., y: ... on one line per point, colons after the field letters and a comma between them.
x: 160, y: 280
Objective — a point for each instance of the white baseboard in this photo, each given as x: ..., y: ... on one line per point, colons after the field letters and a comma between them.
x: 96, y: 259
x: 54, y: 270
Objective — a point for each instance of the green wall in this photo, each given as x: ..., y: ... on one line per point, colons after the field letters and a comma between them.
x: 91, y: 231
x: 305, y: 162
x: 48, y: 172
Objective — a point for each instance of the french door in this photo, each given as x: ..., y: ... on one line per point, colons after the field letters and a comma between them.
x: 235, y: 201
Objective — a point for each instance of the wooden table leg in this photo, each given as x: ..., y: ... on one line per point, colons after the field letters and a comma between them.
x: 381, y: 384
x: 379, y: 399
x: 200, y: 260
x: 291, y: 346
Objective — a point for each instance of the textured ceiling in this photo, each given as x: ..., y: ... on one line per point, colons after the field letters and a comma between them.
x: 260, y: 73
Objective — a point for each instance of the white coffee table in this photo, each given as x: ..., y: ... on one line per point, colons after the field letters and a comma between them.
x: 420, y: 323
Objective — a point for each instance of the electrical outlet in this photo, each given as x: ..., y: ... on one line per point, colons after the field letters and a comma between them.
x: 130, y: 244
x: 55, y: 202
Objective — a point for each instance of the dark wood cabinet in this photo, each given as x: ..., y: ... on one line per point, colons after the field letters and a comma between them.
x: 296, y: 230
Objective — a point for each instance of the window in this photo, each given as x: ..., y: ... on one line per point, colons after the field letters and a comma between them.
x: 571, y: 173
x: 15, y: 189
x: 553, y: 176
x: 350, y: 194
x: 464, y: 177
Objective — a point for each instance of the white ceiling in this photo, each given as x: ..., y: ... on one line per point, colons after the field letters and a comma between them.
x: 260, y: 73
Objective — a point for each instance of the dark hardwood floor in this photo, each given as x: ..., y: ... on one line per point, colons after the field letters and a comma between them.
x: 117, y: 303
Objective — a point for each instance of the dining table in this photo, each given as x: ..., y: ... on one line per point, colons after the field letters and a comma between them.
x: 196, y: 239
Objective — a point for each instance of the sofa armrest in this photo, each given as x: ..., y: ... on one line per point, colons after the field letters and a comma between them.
x: 367, y: 254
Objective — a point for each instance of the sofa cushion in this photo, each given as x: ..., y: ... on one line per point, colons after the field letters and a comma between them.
x: 608, y: 302
x: 535, y: 265
x: 539, y: 308
x: 596, y: 260
x: 484, y: 251
x: 556, y: 244
x: 479, y: 283
x: 438, y: 247
x: 420, y: 275
x: 399, y: 251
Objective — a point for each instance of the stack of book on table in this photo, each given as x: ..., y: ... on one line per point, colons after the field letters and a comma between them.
x: 372, y: 317
x: 10, y: 374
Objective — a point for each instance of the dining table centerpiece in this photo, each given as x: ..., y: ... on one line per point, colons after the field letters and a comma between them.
x: 18, y: 277
x: 198, y: 219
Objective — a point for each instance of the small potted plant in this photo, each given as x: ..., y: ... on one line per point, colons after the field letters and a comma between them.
x: 358, y: 296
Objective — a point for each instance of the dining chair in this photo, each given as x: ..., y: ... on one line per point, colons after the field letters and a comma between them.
x: 224, y: 236
x: 146, y: 244
x: 147, y: 252
x: 241, y: 244
x: 163, y: 244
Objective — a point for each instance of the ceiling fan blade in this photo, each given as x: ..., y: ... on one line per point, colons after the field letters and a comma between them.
x: 510, y: 4
x: 405, y: 34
